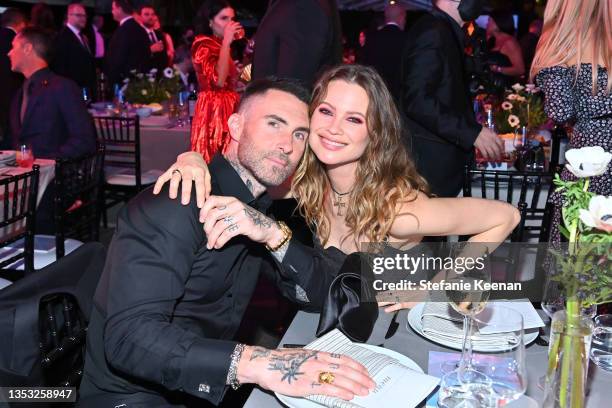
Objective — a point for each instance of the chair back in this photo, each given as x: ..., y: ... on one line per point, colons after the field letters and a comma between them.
x: 515, y: 187
x: 77, y: 198
x: 121, y: 139
x: 44, y: 317
x: 18, y: 195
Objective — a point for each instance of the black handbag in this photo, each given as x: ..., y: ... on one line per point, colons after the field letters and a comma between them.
x: 350, y: 305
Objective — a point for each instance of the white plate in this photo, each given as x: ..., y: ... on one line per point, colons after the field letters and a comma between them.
x: 295, y: 402
x: 414, y: 321
x: 154, y: 121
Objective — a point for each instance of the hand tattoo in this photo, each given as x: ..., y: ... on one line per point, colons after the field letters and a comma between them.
x: 232, y: 228
x: 260, y: 352
x: 335, y: 355
x: 334, y: 366
x: 314, y: 384
x: 258, y: 218
x: 289, y: 364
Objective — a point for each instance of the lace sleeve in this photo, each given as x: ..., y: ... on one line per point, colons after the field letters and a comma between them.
x: 557, y: 84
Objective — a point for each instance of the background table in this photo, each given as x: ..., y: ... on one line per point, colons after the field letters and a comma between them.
x: 159, y: 146
x: 46, y: 174
x: 405, y: 341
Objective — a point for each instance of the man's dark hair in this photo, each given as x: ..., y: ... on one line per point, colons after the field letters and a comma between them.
x: 261, y: 86
x: 40, y: 39
x: 125, y: 5
x: 12, y: 17
x: 181, y: 54
x: 504, y: 20
x: 145, y: 6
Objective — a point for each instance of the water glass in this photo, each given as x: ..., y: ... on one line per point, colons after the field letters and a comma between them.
x: 601, y: 343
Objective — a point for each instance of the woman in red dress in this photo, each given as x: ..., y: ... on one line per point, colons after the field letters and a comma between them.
x: 217, y: 77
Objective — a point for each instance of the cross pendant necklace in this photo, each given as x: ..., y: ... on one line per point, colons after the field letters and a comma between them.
x: 337, y: 200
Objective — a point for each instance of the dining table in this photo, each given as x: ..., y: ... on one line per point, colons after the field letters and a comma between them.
x: 409, y: 343
x: 46, y: 173
x: 161, y: 142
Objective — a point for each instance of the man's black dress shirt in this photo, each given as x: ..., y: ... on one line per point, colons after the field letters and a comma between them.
x: 166, y: 308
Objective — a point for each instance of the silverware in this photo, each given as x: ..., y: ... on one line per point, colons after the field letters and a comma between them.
x: 393, y: 326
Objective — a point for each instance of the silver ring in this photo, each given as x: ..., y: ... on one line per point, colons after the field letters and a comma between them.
x: 177, y: 171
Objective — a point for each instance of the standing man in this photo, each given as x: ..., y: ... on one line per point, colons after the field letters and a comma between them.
x: 129, y: 47
x: 170, y: 300
x: 12, y: 22
x: 436, y: 101
x: 74, y: 50
x: 382, y: 49
x: 47, y: 112
x: 97, y: 23
x: 297, y: 39
x: 159, y: 57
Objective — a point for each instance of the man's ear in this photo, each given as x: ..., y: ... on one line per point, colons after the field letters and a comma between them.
x: 235, y: 124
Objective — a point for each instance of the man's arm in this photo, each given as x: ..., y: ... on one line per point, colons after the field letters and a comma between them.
x: 149, y: 261
x: 422, y: 74
x: 81, y: 138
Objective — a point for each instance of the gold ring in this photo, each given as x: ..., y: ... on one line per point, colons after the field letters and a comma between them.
x: 326, y: 377
x: 177, y: 171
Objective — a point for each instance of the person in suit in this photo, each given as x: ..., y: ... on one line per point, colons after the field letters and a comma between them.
x: 381, y: 48
x: 47, y: 112
x: 159, y: 56
x: 129, y: 47
x: 12, y: 22
x: 184, y: 65
x: 297, y: 39
x: 435, y: 100
x: 74, y: 56
x: 168, y: 304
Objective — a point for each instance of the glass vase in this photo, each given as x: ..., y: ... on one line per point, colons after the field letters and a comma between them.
x: 568, y: 360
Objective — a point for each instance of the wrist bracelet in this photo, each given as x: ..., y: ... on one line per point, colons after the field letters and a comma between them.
x: 287, y: 234
x: 232, y: 373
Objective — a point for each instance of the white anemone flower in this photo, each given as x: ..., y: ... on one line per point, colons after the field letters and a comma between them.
x: 512, y: 97
x: 599, y: 214
x: 517, y: 87
x: 168, y: 73
x: 506, y: 105
x: 587, y: 161
x: 514, y: 120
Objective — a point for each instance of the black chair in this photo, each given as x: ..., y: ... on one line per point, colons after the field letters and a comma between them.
x: 17, y: 221
x: 123, y: 176
x: 77, y: 199
x: 43, y: 320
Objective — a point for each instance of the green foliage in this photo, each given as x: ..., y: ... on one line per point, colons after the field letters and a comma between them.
x: 153, y: 87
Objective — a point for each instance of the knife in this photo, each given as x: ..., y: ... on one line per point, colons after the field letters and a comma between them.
x: 393, y: 326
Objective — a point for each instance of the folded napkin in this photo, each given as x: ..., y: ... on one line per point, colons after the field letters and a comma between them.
x: 441, y: 322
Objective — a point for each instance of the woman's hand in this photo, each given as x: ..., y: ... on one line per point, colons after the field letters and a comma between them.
x: 230, y: 31
x: 189, y: 167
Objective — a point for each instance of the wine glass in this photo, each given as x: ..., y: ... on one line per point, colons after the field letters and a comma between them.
x: 506, y: 368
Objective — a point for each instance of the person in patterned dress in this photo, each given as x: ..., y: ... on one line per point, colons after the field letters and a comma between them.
x: 571, y: 66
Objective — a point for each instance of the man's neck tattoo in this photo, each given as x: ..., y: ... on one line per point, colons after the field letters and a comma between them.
x: 249, y: 181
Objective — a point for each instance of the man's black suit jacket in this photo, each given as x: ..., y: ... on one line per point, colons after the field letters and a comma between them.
x: 9, y: 83
x: 297, y: 39
x: 72, y: 60
x: 166, y: 308
x: 56, y: 122
x: 129, y: 49
x: 383, y: 51
x: 436, y: 102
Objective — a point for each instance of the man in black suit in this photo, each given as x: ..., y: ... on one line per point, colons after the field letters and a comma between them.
x: 383, y: 47
x: 12, y: 22
x: 170, y: 299
x: 48, y: 112
x: 297, y: 39
x: 74, y: 56
x: 435, y: 98
x: 159, y: 57
x: 129, y: 47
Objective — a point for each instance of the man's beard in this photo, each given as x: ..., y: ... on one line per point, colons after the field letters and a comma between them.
x: 255, y: 162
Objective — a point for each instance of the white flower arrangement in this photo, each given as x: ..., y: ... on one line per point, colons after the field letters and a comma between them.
x: 506, y: 105
x: 517, y: 87
x: 169, y: 73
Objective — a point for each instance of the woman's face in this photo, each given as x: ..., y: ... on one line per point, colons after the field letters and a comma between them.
x: 338, y: 128
x: 491, y: 27
x: 220, y: 20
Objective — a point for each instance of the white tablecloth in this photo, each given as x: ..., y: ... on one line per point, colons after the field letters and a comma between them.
x: 160, y: 146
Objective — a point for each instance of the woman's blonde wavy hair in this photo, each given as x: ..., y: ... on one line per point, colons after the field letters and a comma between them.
x: 385, y: 177
x: 570, y: 28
